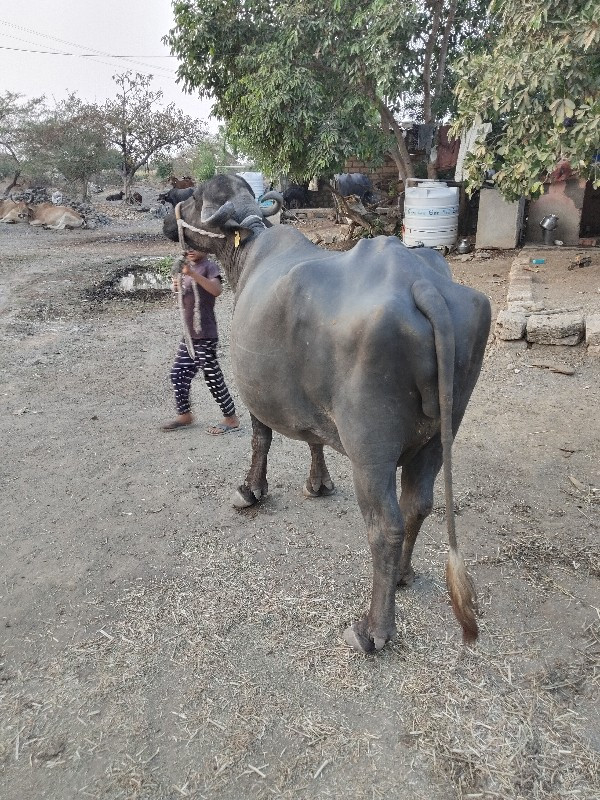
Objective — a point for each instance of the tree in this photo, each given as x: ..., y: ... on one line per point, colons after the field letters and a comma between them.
x: 71, y: 139
x: 15, y: 117
x: 139, y: 128
x: 304, y: 85
x: 539, y: 86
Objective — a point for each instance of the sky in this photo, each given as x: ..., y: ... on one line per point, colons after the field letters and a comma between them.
x: 93, y: 33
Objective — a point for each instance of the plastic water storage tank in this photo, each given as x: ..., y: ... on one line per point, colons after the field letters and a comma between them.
x: 430, y: 213
x: 255, y: 179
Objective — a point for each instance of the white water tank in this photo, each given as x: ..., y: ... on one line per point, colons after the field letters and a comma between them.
x: 255, y: 179
x: 430, y: 213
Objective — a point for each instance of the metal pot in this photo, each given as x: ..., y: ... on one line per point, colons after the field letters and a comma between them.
x: 464, y: 246
x: 550, y: 222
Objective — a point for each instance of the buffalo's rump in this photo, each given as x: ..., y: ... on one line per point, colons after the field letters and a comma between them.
x: 323, y: 340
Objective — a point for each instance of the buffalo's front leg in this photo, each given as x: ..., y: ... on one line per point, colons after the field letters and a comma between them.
x: 376, y: 494
x: 318, y: 483
x: 255, y: 486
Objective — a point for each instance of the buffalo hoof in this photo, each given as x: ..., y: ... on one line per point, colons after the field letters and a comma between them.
x: 406, y: 579
x: 244, y: 497
x: 361, y: 643
x: 321, y: 490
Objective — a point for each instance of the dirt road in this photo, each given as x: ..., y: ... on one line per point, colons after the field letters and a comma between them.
x: 155, y: 643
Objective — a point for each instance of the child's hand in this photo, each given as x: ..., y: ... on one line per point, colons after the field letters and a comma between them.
x: 185, y: 269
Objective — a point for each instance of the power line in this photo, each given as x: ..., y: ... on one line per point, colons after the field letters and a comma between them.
x: 79, y: 55
x: 74, y: 44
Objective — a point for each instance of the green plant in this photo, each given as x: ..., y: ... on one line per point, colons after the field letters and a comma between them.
x: 164, y: 266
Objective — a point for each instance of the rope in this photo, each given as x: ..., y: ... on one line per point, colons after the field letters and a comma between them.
x: 186, y: 334
x: 181, y: 224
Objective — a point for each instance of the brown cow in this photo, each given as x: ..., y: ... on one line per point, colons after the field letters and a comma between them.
x: 55, y: 218
x: 181, y: 183
x: 12, y: 211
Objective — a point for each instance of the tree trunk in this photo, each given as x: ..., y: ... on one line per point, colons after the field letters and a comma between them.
x: 401, y: 155
x: 126, y: 186
x: 13, y: 183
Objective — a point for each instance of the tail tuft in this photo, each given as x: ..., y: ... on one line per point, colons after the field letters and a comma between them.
x: 462, y: 594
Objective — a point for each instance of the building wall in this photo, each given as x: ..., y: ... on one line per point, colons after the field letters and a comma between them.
x: 565, y: 199
x: 382, y: 176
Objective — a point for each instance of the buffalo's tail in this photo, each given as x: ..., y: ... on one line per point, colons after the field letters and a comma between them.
x: 460, y: 584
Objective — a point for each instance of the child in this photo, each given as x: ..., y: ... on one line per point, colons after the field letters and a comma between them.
x: 205, y: 273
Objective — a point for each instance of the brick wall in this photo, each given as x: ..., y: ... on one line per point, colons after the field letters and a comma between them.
x: 381, y: 176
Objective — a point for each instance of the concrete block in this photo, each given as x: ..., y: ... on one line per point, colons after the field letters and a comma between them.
x: 511, y: 325
x: 519, y: 292
x: 498, y: 222
x: 565, y: 329
x: 592, y: 330
x: 512, y: 345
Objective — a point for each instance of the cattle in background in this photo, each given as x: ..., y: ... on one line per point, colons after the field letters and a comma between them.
x: 358, y: 190
x: 13, y: 211
x: 374, y: 352
x: 115, y: 196
x: 296, y: 196
x: 135, y: 199
x: 181, y: 183
x: 175, y: 196
x: 356, y: 183
x: 55, y: 218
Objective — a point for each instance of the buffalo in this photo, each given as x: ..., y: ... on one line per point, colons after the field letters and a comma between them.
x: 374, y: 352
x: 355, y: 183
x: 296, y: 196
x: 174, y: 196
x: 181, y: 183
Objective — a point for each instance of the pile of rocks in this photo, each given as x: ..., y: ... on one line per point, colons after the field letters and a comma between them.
x: 524, y: 319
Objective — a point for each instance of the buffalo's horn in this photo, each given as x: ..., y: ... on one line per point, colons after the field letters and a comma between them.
x: 250, y: 220
x: 219, y: 217
x: 276, y: 207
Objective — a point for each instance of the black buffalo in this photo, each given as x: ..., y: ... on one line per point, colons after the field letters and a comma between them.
x: 357, y: 184
x: 296, y: 196
x: 175, y: 196
x: 374, y: 352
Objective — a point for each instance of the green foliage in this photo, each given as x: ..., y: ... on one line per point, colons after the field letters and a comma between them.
x: 163, y: 266
x: 204, y: 162
x: 16, y: 115
x: 164, y: 167
x: 539, y: 85
x: 140, y: 128
x: 71, y: 139
x: 304, y: 85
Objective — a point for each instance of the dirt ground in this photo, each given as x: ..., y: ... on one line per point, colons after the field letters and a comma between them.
x: 155, y: 643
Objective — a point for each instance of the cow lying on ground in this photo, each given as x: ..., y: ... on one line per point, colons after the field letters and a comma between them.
x: 115, y: 196
x: 181, y: 183
x: 12, y: 211
x: 175, y: 196
x: 374, y: 352
x: 55, y: 218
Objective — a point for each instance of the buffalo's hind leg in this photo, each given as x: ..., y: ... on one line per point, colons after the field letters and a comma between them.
x: 255, y: 486
x: 416, y: 501
x: 318, y: 483
x: 378, y: 502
